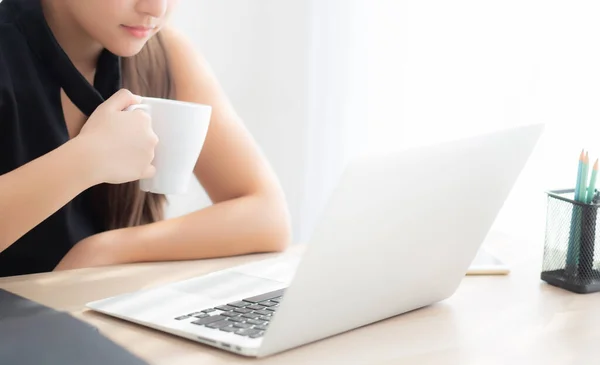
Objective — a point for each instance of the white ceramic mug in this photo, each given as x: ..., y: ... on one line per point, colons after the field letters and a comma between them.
x: 181, y: 128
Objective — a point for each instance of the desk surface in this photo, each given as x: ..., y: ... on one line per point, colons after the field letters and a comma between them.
x: 514, y: 319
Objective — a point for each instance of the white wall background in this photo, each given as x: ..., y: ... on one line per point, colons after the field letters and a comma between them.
x: 258, y: 51
x: 302, y: 73
x: 445, y: 69
x: 290, y: 68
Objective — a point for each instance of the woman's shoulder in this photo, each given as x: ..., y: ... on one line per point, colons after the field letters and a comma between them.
x: 189, y: 69
x: 173, y: 37
x: 178, y: 47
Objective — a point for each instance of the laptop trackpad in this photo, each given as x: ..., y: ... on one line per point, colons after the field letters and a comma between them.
x: 226, y: 285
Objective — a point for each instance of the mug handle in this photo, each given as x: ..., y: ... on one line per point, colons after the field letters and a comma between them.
x: 143, y: 107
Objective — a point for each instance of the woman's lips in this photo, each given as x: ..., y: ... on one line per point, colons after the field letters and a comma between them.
x: 138, y: 31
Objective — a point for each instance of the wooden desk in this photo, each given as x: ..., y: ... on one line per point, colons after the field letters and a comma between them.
x: 514, y: 319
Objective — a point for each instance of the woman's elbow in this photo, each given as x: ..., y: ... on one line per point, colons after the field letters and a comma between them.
x: 278, y: 227
x: 283, y: 238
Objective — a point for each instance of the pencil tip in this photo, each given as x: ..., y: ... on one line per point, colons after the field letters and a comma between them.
x: 596, y: 165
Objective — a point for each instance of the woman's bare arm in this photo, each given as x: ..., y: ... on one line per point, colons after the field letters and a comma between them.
x: 104, y: 151
x: 34, y: 191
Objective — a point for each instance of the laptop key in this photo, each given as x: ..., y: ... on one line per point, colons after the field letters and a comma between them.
x: 240, y: 304
x: 225, y: 308
x: 256, y: 335
x: 255, y: 307
x: 263, y: 312
x: 242, y: 310
x: 254, y: 321
x: 182, y: 317
x: 268, y: 303
x: 236, y: 319
x: 272, y: 309
x: 262, y: 328
x: 209, y: 319
x: 250, y: 315
x: 242, y: 325
x: 276, y: 300
x: 201, y: 315
x: 209, y: 310
x: 230, y: 314
x: 247, y: 332
x: 228, y: 329
x: 265, y: 318
x: 265, y: 296
x: 219, y: 324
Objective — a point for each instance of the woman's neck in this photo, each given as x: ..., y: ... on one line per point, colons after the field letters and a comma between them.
x: 83, y: 51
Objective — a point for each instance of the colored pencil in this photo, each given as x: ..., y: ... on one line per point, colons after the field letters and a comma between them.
x: 592, y: 186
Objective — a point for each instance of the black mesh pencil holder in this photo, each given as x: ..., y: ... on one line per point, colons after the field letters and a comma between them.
x: 571, y: 260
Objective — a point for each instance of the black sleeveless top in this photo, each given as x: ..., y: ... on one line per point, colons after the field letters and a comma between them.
x: 33, y: 69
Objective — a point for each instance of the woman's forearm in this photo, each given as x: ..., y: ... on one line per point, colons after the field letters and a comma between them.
x: 244, y: 225
x: 34, y: 191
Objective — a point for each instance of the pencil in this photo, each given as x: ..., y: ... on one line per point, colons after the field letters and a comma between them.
x: 584, y: 178
x: 579, y: 171
x: 574, y: 232
x: 592, y: 187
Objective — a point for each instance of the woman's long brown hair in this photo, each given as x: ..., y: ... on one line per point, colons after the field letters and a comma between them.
x: 146, y: 74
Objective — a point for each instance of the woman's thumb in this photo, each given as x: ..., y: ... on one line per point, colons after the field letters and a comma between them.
x: 121, y: 100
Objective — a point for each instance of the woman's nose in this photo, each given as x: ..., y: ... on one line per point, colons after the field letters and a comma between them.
x: 154, y: 8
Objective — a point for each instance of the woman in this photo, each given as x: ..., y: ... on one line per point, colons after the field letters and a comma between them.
x: 71, y: 158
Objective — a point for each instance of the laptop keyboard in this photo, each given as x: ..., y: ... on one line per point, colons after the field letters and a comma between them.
x: 248, y: 317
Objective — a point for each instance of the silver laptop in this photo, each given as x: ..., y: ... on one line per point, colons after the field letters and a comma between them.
x: 398, y: 234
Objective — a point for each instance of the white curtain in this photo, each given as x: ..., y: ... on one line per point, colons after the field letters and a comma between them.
x: 446, y: 69
x: 337, y: 120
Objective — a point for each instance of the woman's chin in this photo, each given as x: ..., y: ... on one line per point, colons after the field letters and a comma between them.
x: 127, y: 48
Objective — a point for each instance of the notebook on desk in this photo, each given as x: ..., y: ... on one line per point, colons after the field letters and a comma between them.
x: 486, y: 263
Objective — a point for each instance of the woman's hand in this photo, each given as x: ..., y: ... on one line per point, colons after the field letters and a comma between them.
x: 119, y: 144
x: 96, y: 250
